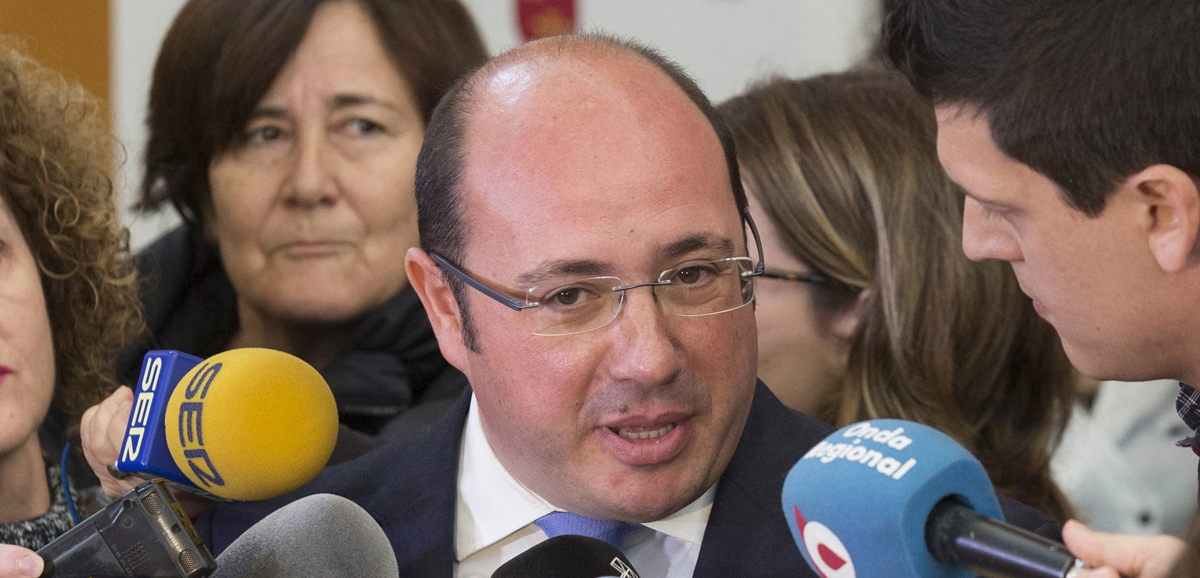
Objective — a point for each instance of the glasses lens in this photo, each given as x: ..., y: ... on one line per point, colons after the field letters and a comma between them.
x: 576, y: 307
x: 707, y: 287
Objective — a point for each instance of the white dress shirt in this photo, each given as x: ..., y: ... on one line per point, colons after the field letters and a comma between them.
x: 1118, y: 463
x: 493, y: 521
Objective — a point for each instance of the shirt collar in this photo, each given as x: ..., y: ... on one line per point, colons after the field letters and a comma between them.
x: 492, y: 504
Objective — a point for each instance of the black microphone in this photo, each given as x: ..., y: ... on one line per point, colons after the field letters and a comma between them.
x: 318, y: 535
x: 568, y: 556
x: 959, y: 536
x: 143, y: 533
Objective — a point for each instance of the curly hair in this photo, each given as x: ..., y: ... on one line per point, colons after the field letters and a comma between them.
x: 55, y: 153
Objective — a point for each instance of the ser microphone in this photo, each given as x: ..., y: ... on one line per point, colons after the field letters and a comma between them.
x: 245, y: 424
x: 568, y: 556
x: 900, y: 499
x: 318, y: 535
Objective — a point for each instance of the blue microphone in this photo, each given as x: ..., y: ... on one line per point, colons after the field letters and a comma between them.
x: 899, y: 499
x: 144, y: 450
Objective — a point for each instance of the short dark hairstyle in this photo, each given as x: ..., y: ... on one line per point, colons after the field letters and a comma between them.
x: 440, y: 219
x: 1086, y: 92
x: 221, y: 56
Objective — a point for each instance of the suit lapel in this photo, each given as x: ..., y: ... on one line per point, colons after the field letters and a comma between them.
x: 415, y: 494
x: 747, y: 534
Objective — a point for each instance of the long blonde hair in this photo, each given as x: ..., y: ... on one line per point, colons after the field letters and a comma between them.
x: 845, y: 165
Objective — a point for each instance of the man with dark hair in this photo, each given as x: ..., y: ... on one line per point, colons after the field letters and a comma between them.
x: 1074, y: 129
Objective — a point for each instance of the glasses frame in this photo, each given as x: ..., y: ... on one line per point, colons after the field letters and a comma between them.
x: 518, y: 305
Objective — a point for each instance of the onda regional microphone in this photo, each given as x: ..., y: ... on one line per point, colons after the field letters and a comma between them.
x: 318, y: 535
x: 245, y: 424
x: 568, y: 556
x: 900, y: 499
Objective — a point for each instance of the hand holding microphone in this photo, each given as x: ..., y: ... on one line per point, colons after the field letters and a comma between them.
x: 246, y: 424
x: 1138, y: 556
x: 101, y: 430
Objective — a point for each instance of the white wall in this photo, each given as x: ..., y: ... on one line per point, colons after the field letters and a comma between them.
x: 137, y: 28
x: 723, y: 43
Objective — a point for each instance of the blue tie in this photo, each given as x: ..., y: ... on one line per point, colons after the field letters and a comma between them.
x: 558, y: 523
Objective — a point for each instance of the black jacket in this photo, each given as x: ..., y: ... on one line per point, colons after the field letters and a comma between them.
x: 391, y: 366
x: 411, y: 488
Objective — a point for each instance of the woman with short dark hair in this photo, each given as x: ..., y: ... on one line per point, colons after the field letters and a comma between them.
x: 285, y: 133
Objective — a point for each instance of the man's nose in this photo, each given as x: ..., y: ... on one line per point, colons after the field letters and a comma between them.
x: 645, y: 351
x: 987, y: 236
x: 313, y: 179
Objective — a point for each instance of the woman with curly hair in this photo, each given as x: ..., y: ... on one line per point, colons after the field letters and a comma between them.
x: 869, y: 309
x: 68, y: 299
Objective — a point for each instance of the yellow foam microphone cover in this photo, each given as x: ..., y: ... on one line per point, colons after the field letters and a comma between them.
x: 251, y: 424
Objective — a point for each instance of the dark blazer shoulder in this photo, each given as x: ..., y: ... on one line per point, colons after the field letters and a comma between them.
x: 409, y: 486
x: 747, y: 534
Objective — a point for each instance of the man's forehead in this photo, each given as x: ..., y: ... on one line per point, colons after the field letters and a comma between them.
x: 575, y: 84
x: 607, y: 127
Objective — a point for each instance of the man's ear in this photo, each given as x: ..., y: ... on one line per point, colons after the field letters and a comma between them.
x: 440, y: 305
x: 1171, y: 198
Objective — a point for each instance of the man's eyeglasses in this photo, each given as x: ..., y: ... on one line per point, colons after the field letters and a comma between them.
x: 690, y: 289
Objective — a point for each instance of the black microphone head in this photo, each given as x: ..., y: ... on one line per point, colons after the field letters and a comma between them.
x: 568, y: 557
x: 319, y: 535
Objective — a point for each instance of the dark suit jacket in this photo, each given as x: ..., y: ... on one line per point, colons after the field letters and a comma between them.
x: 410, y: 487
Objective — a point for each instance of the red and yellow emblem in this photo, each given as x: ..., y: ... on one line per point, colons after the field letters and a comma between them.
x: 541, y: 18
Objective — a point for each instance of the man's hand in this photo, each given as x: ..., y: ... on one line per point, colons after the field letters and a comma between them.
x: 1115, y: 555
x: 17, y: 562
x: 102, y: 429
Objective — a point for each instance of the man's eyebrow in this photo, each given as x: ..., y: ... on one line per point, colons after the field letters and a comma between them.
x: 563, y: 268
x: 693, y: 243
x: 552, y: 270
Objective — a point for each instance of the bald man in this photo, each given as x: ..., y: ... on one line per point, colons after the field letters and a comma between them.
x: 585, y: 263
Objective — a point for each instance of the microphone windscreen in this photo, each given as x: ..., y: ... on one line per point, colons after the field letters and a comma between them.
x: 568, y: 556
x: 318, y: 535
x: 251, y: 424
x: 857, y: 503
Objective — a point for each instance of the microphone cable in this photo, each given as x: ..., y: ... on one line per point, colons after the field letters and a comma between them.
x: 66, y: 484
